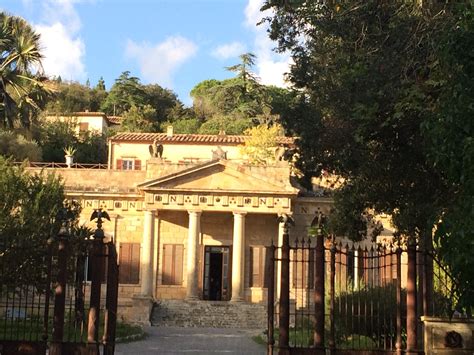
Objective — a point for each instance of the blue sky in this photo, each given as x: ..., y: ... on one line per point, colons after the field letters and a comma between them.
x: 176, y: 43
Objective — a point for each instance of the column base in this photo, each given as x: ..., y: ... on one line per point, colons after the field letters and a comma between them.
x: 141, y: 310
x: 237, y: 300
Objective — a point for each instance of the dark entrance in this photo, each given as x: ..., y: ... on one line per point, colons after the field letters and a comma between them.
x: 216, y: 273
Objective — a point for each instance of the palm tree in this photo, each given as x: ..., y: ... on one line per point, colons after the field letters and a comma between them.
x: 22, y: 84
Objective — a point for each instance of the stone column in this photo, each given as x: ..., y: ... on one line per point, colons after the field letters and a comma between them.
x: 238, y: 257
x: 281, y: 228
x: 146, y: 262
x: 194, y: 231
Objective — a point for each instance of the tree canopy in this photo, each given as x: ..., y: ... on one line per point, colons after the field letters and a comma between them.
x: 31, y: 211
x: 379, y: 78
x: 22, y: 84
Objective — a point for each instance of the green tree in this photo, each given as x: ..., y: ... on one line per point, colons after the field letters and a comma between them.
x: 126, y: 92
x: 240, y: 99
x: 261, y: 145
x: 30, y: 206
x: 139, y: 119
x: 19, y: 148
x: 23, y: 89
x: 370, y: 107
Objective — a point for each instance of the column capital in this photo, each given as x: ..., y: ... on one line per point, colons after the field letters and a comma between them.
x: 239, y: 213
x: 194, y: 212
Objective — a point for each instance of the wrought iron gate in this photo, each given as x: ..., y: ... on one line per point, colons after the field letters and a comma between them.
x: 59, y: 307
x: 353, y: 298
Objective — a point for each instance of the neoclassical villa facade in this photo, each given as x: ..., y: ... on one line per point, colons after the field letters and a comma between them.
x: 190, y: 216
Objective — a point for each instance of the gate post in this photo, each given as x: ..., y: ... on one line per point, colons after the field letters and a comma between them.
x: 96, y: 283
x: 398, y: 344
x: 283, y: 342
x: 411, y: 298
x: 332, y: 295
x: 271, y: 301
x: 319, y: 293
x: 111, y: 300
x: 60, y: 295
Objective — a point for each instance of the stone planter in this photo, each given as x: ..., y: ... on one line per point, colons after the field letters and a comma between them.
x: 448, y: 336
x: 69, y: 160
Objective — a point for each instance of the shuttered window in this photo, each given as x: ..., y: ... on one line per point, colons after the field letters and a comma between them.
x: 172, y: 270
x: 128, y: 164
x: 83, y: 126
x: 129, y: 261
x: 259, y: 264
x: 303, y: 268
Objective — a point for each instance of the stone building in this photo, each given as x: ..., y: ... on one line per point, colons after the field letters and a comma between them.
x: 190, y: 217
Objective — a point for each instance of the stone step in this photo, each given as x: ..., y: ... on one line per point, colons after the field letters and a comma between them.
x: 209, y: 314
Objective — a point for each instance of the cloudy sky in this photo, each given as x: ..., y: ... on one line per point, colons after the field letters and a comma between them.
x: 175, y: 43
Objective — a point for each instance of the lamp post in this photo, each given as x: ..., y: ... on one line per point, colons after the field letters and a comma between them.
x: 318, y: 223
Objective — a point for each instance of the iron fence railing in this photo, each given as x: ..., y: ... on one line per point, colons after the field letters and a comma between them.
x: 345, y: 296
x: 55, y: 308
x: 52, y: 165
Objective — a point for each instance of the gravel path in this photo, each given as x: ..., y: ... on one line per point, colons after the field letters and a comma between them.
x: 174, y: 340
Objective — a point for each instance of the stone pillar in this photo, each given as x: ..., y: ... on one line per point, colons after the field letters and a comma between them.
x: 238, y: 257
x: 281, y: 228
x: 194, y: 231
x: 146, y: 262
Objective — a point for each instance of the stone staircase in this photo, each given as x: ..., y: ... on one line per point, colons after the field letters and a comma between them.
x: 209, y: 314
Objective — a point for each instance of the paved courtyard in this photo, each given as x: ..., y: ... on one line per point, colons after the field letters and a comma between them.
x: 174, y: 340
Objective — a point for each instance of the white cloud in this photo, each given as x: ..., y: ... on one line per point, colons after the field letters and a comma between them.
x: 62, y: 46
x: 158, y: 62
x: 62, y: 52
x: 271, y: 66
x: 229, y: 50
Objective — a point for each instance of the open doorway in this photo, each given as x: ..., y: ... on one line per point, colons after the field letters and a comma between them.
x: 216, y: 273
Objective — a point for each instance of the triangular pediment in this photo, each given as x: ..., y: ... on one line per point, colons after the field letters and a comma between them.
x: 220, y: 176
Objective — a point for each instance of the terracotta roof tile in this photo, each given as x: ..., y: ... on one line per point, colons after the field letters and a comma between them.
x: 114, y: 119
x: 188, y: 138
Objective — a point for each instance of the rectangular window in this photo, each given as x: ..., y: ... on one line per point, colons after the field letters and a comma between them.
x: 303, y: 268
x: 260, y: 261
x: 128, y: 164
x: 83, y: 126
x: 172, y: 270
x: 129, y: 263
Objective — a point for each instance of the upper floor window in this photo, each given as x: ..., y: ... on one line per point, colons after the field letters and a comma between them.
x: 83, y: 127
x: 128, y: 164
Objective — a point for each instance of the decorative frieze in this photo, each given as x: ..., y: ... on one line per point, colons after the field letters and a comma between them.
x: 216, y: 202
x: 111, y: 205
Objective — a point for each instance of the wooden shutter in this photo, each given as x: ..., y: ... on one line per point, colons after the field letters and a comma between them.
x: 138, y: 164
x: 167, y: 270
x: 118, y: 164
x: 172, y: 270
x: 255, y: 267
x: 178, y: 265
x: 259, y: 264
x: 135, y: 263
x: 266, y: 267
x: 83, y: 126
x: 129, y: 263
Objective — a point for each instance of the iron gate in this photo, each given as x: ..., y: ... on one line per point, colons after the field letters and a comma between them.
x: 57, y: 307
x: 353, y: 298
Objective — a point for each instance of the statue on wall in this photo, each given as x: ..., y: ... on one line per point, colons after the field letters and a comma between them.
x: 219, y: 153
x: 155, y: 149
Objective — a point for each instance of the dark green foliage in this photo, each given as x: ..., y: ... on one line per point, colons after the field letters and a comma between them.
x: 23, y: 90
x: 18, y: 148
x: 53, y: 137
x: 236, y: 104
x: 398, y: 130
x: 368, y: 312
x: 30, y: 206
